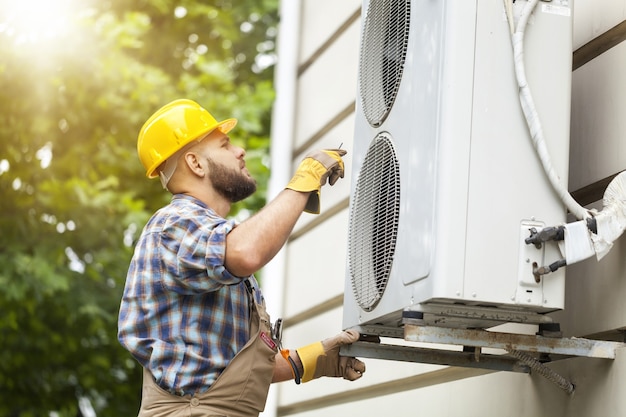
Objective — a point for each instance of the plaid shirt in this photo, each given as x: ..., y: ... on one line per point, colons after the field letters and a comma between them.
x: 183, y: 316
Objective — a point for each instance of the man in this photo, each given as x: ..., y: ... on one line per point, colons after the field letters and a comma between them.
x: 192, y: 313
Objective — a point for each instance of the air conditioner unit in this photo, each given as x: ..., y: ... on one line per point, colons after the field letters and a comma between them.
x: 446, y: 185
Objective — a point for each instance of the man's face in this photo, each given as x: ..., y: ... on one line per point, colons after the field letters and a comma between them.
x: 227, y: 168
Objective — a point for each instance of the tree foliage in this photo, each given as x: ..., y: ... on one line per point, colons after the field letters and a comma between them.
x: 74, y: 195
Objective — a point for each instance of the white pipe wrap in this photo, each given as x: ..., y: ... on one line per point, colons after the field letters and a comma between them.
x: 532, y: 117
x: 577, y: 244
x: 611, y: 221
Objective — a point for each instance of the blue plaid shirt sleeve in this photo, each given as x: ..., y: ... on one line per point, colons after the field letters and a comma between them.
x: 192, y: 253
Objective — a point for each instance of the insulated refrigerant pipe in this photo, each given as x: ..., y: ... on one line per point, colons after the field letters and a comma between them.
x: 530, y: 112
x: 611, y: 222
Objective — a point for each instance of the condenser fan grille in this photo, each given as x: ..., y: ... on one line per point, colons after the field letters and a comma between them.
x: 383, y: 52
x: 374, y: 222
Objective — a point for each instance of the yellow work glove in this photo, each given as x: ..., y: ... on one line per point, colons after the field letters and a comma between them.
x: 322, y: 358
x: 314, y: 170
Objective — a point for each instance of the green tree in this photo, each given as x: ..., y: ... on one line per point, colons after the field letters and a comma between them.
x: 74, y: 195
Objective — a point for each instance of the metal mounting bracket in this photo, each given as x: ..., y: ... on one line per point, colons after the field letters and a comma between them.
x: 509, y: 341
x: 519, y: 348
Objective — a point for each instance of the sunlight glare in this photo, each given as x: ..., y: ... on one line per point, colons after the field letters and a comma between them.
x: 4, y: 166
x: 44, y: 154
x: 36, y: 21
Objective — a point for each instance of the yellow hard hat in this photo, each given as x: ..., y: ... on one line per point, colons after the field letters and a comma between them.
x: 173, y: 126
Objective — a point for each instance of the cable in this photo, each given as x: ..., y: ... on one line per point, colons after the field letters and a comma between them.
x: 530, y: 112
x: 543, y: 370
x: 508, y: 7
x: 603, y: 228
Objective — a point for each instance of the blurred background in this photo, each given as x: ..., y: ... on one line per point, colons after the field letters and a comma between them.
x: 77, y: 80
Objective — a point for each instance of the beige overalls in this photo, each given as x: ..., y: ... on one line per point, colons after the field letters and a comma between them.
x: 239, y: 391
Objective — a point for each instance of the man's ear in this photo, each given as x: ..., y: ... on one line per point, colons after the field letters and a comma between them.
x: 194, y: 164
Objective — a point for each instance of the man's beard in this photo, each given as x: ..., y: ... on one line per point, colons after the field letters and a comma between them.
x: 229, y: 183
